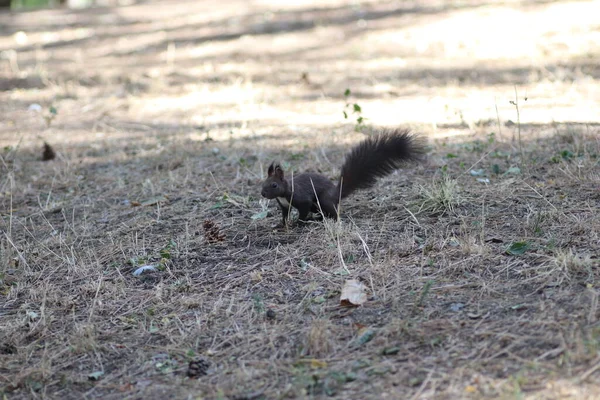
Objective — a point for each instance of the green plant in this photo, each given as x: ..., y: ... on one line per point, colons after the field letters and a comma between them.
x: 353, y: 109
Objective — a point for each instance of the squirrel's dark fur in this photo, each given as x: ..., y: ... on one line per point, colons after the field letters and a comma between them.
x: 373, y: 158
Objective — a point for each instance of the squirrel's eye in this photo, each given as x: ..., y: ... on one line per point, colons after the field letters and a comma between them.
x: 274, y: 185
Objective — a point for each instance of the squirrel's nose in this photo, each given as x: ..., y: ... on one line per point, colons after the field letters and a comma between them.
x: 263, y: 193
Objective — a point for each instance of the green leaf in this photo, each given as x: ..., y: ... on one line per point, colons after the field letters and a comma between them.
x: 218, y: 204
x: 258, y: 303
x: 53, y: 110
x: 135, y: 261
x: 345, y: 115
x: 451, y: 155
x: 357, y: 108
x: 260, y: 215
x: 513, y: 171
x: 517, y: 248
x: 347, y: 93
x: 365, y: 336
x: 496, y: 169
x: 341, y: 271
x: 166, y: 254
x: 566, y: 154
x: 94, y: 376
x: 390, y: 351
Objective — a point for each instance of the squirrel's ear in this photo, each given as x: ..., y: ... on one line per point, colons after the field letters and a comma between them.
x: 278, y: 172
x: 271, y: 169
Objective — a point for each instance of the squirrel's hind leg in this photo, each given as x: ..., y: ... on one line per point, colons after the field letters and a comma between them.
x: 329, y: 210
x: 303, y: 212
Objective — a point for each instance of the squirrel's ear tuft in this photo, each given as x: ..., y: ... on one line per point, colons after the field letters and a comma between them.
x: 271, y: 169
x: 275, y: 170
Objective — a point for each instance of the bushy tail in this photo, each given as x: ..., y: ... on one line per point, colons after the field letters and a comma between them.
x: 376, y: 157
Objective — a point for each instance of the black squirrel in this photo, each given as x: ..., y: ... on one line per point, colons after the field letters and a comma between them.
x: 373, y: 158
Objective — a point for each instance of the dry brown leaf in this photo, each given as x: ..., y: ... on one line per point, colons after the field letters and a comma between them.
x: 353, y: 293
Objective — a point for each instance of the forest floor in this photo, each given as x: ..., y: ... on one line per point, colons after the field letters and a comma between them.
x: 479, y: 264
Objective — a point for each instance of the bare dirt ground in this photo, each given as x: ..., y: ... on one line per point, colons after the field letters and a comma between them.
x: 480, y: 263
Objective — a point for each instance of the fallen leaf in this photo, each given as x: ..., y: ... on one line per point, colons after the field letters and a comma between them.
x: 144, y: 268
x: 364, y: 335
x: 260, y: 215
x: 517, y: 248
x: 390, y: 351
x: 94, y: 376
x: 304, y: 264
x: 353, y: 293
x: 314, y: 363
x: 32, y: 314
x: 341, y: 271
x: 513, y: 171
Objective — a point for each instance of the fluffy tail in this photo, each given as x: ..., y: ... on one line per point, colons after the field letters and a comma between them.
x: 376, y: 157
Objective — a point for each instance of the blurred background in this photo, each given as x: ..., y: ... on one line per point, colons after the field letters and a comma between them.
x: 17, y: 4
x: 249, y: 66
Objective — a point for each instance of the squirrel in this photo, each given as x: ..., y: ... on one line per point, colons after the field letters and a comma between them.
x: 373, y: 158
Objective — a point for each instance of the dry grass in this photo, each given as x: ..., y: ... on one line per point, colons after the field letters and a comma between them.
x: 482, y: 277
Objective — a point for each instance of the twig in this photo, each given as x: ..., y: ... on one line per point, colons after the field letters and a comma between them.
x: 590, y: 371
x: 516, y: 104
x: 413, y: 216
x: 498, y: 119
x: 422, y: 387
x: 95, y: 300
